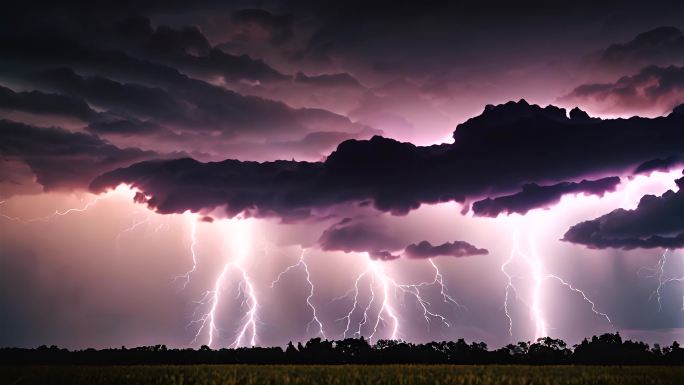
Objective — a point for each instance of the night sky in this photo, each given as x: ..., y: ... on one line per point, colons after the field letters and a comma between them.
x: 238, y: 173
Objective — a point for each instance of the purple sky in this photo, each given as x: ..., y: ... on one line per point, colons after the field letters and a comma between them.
x: 259, y: 172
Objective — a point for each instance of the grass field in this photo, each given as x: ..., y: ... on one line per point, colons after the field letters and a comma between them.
x: 339, y: 375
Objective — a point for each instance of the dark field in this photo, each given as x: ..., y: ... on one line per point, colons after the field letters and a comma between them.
x: 342, y: 375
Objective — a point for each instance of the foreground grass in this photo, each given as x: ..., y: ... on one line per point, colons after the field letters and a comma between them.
x: 339, y: 375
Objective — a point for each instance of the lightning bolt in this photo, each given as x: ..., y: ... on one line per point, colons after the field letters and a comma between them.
x: 314, y: 317
x: 57, y: 213
x: 378, y: 277
x: 247, y: 331
x: 379, y: 272
x: 658, y: 270
x: 536, y: 268
x: 376, y: 272
x: 119, y: 190
x: 193, y: 243
x: 130, y: 228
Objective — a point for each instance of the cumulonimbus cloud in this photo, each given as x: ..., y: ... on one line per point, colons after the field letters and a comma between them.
x: 495, y: 153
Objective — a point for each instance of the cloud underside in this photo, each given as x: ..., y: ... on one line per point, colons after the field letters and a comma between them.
x: 657, y: 222
x: 381, y: 243
x: 534, y: 196
x: 494, y: 154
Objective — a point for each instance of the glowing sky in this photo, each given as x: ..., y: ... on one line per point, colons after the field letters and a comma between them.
x: 255, y: 173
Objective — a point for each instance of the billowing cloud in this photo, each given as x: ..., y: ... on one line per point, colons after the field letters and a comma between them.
x: 506, y: 147
x: 652, y: 91
x: 535, y: 196
x: 140, y: 79
x: 60, y: 159
x: 659, y: 164
x: 376, y: 239
x: 36, y: 102
x: 360, y: 236
x: 425, y: 249
x: 658, y: 221
x: 662, y: 45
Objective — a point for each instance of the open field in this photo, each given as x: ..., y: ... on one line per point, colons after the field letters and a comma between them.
x: 341, y: 375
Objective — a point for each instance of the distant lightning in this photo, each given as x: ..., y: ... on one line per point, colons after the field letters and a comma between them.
x: 630, y: 192
x: 536, y: 268
x: 130, y: 228
x: 121, y: 189
x: 378, y: 277
x: 658, y: 270
x: 302, y: 262
x: 56, y: 213
x: 247, y: 331
x: 193, y: 244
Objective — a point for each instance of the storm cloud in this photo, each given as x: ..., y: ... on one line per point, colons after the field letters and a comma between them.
x: 425, y: 249
x: 653, y: 90
x: 506, y: 147
x: 37, y: 102
x: 658, y: 221
x: 360, y: 236
x: 662, y: 45
x: 60, y: 159
x: 534, y: 196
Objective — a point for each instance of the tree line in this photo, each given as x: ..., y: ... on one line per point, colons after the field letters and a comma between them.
x: 606, y: 349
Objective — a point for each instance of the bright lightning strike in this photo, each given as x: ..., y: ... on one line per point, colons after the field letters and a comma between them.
x: 378, y: 277
x: 302, y: 262
x: 659, y: 271
x: 247, y: 331
x: 193, y: 244
x: 535, y: 266
x: 376, y: 272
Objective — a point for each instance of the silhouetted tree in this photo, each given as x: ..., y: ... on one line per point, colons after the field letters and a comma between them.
x: 604, y: 349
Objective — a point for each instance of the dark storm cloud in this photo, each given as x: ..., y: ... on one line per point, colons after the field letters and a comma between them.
x: 535, y: 196
x: 660, y: 164
x: 132, y: 67
x: 377, y: 239
x: 60, y: 159
x: 653, y: 89
x: 36, y: 102
x: 425, y: 249
x: 140, y: 96
x: 130, y: 98
x: 360, y: 236
x: 506, y: 147
x: 315, y: 145
x: 658, y: 221
x: 663, y: 45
